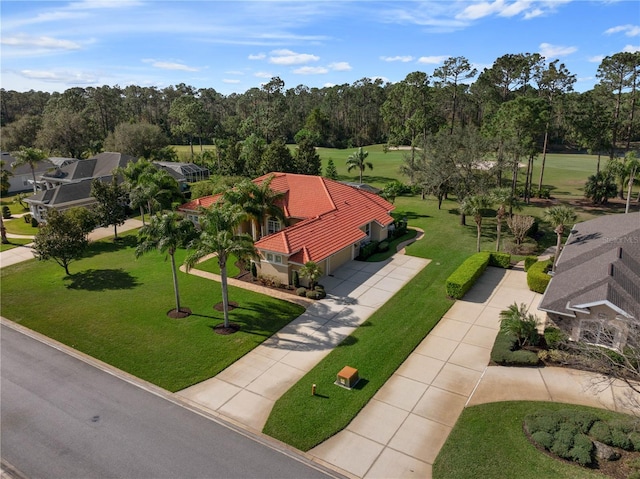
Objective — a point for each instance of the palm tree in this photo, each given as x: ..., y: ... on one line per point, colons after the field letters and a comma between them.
x: 218, y: 236
x: 132, y: 175
x: 258, y: 201
x: 358, y: 160
x: 516, y: 321
x: 166, y: 233
x: 559, y: 216
x: 312, y: 272
x: 475, y: 206
x: 160, y: 189
x: 29, y: 156
x: 503, y: 198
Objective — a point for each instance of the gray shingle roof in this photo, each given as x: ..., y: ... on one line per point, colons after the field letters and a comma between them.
x: 97, y: 166
x: 599, y: 263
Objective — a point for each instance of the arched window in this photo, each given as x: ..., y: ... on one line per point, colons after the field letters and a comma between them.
x: 273, y: 225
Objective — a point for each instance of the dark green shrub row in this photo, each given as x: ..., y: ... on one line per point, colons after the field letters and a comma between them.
x: 568, y: 433
x: 500, y: 260
x: 400, y: 229
x: 537, y: 277
x: 368, y: 249
x: 505, y: 354
x: 529, y: 261
x: 383, y: 246
x: 6, y: 212
x: 316, y: 293
x: 553, y: 337
x: 466, y: 275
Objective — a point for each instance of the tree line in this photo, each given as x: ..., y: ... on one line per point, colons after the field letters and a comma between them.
x: 83, y: 121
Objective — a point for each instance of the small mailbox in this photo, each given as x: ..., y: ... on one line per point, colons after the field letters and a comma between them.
x: 347, y: 377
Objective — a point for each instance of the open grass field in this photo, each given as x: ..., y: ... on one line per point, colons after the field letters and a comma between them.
x: 14, y: 243
x: 114, y: 308
x: 17, y: 226
x: 488, y: 442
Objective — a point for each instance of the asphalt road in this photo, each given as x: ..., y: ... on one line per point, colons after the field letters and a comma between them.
x: 63, y: 418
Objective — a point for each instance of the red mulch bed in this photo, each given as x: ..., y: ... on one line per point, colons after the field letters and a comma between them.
x: 182, y: 313
x: 220, y: 329
x: 232, y: 305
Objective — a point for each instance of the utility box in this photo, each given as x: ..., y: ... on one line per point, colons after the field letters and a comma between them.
x: 347, y: 377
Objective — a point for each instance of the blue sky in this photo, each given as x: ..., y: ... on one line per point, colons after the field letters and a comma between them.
x: 232, y: 46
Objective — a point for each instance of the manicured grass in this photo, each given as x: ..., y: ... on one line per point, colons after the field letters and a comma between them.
x: 212, y: 266
x: 381, y: 344
x: 15, y: 208
x: 393, y: 247
x: 114, y: 307
x: 488, y: 441
x: 14, y: 243
x: 17, y: 226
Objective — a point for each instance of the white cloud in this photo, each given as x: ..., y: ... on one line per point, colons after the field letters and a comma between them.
x: 257, y: 56
x: 234, y: 72
x: 596, y: 59
x: 398, y: 58
x: 287, y: 57
x: 43, y: 42
x: 340, y: 66
x: 329, y: 85
x: 70, y: 78
x: 230, y: 80
x: 631, y: 48
x: 548, y: 50
x: 432, y: 60
x: 311, y: 70
x: 480, y: 10
x: 170, y: 65
x: 263, y: 75
x: 526, y: 8
x: 104, y: 4
x: 629, y: 30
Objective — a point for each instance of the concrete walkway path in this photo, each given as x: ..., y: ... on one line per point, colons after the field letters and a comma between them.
x: 400, y: 432
x: 246, y: 391
x: 24, y: 252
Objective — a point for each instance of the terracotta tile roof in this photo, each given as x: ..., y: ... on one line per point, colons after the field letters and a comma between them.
x: 332, y: 214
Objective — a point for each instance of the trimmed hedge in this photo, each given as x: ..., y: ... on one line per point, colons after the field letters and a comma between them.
x: 528, y: 261
x: 537, y: 277
x: 503, y: 352
x: 468, y: 272
x: 368, y: 249
x: 466, y: 275
x: 500, y: 260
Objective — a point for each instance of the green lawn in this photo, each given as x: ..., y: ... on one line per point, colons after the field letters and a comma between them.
x: 14, y: 243
x: 17, y: 226
x: 212, y: 266
x: 114, y: 308
x: 488, y: 442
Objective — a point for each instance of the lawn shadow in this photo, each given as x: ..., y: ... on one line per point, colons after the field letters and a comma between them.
x: 99, y: 247
x: 101, y: 280
x: 412, y: 215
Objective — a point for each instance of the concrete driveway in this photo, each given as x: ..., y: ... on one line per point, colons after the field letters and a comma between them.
x: 246, y: 391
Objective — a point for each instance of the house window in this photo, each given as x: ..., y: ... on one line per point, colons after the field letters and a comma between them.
x: 598, y: 332
x: 273, y: 225
x: 274, y: 258
x: 367, y: 230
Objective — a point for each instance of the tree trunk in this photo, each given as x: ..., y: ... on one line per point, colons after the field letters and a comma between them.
x: 463, y: 219
x: 142, y: 214
x: 33, y: 174
x: 498, y: 232
x: 544, y: 157
x: 115, y: 232
x: 3, y: 231
x: 222, y: 261
x: 479, y: 230
x: 558, y: 246
x: 175, y: 280
x: 598, y: 165
x: 631, y: 176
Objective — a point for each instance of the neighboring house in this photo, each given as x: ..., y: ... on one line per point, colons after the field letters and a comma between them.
x: 70, y: 184
x: 594, y: 296
x: 21, y: 178
x: 184, y: 172
x: 326, y: 222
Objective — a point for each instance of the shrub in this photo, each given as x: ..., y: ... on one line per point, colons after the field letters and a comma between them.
x: 34, y: 222
x: 254, y: 271
x: 553, y: 337
x: 543, y: 438
x: 528, y: 261
x: 466, y: 275
x: 503, y: 352
x: 634, y: 437
x: 314, y: 294
x: 6, y: 212
x: 295, y: 280
x: 555, y: 356
x: 320, y: 293
x: 301, y: 291
x: 500, y: 260
x: 562, y: 444
x: 533, y: 231
x: 383, y: 246
x: 27, y: 218
x: 582, y: 450
x: 600, y: 431
x: 368, y: 249
x: 537, y: 277
x: 620, y: 439
x: 544, y: 193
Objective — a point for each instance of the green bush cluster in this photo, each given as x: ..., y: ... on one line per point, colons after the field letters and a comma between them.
x: 6, y: 212
x: 569, y: 434
x: 368, y: 249
x: 316, y: 293
x: 461, y: 280
x: 383, y: 246
x: 537, y: 277
x: 500, y: 260
x: 528, y: 261
x: 553, y: 337
x: 400, y: 229
x: 468, y: 272
x: 504, y: 352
